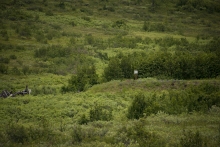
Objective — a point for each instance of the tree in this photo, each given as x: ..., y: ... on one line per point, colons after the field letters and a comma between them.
x: 113, y: 70
x: 137, y: 108
x: 84, y: 78
x: 126, y: 67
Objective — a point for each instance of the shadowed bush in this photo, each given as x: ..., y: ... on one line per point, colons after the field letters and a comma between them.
x: 99, y: 113
x: 3, y: 69
x: 191, y: 139
x: 137, y: 135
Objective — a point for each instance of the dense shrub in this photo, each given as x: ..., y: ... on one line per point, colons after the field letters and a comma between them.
x: 159, y: 27
x: 84, y: 78
x: 137, y: 108
x: 89, y: 39
x: 17, y: 134
x: 144, y: 106
x: 198, y: 98
x: 99, y: 113
x: 73, y: 23
x: 178, y: 65
x: 83, y: 120
x: 119, y: 24
x: 14, y: 14
x: 49, y: 13
x: 137, y: 135
x: 124, y: 42
x: 26, y: 70
x: 16, y: 71
x: 113, y: 71
x: 3, y: 69
x: 4, y: 34
x: 52, y: 52
x: 5, y: 60
x: 191, y: 139
x: 77, y: 135
x: 145, y: 26
x: 86, y: 18
x: 13, y: 57
x: 43, y: 90
x: 24, y: 31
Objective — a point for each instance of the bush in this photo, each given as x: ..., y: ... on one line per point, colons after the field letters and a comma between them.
x: 145, y: 26
x: 137, y: 135
x: 26, y: 70
x: 73, y: 23
x: 191, y: 139
x: 25, y: 31
x: 17, y: 134
x: 99, y: 113
x: 159, y: 27
x: 49, y: 13
x: 84, y: 78
x: 52, y: 52
x: 83, y: 120
x: 43, y: 90
x: 77, y: 134
x: 40, y: 37
x: 119, y: 24
x: 3, y: 69
x: 89, y: 39
x: 13, y: 57
x: 72, y: 40
x: 137, y: 108
x: 16, y: 71
x: 61, y: 5
x: 113, y: 70
x: 5, y: 60
x: 4, y: 34
x: 86, y: 18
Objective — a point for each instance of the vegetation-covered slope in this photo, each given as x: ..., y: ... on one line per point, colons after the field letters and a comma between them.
x: 78, y: 57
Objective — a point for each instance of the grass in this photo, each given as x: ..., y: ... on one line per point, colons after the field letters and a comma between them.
x: 64, y: 111
x: 57, y: 115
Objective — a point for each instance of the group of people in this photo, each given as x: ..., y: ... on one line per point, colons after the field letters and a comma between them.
x: 6, y: 93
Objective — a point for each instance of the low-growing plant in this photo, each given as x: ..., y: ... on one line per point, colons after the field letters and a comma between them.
x: 17, y: 133
x: 13, y: 57
x: 44, y: 90
x: 77, y: 134
x: 137, y: 108
x: 191, y: 139
x: 84, y: 78
x: 5, y: 60
x: 119, y: 24
x: 3, y: 69
x: 136, y: 134
x: 26, y: 70
x: 99, y: 113
x: 49, y: 13
x: 25, y: 31
x: 89, y: 39
x: 86, y: 18
x: 73, y: 23
x: 83, y: 120
x: 16, y: 71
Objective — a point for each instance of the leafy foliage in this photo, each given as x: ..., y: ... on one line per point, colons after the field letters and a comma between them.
x: 52, y: 52
x: 191, y: 139
x: 99, y: 113
x: 137, y: 108
x: 84, y: 78
x: 180, y: 65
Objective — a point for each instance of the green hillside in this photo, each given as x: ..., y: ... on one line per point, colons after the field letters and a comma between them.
x: 78, y: 58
